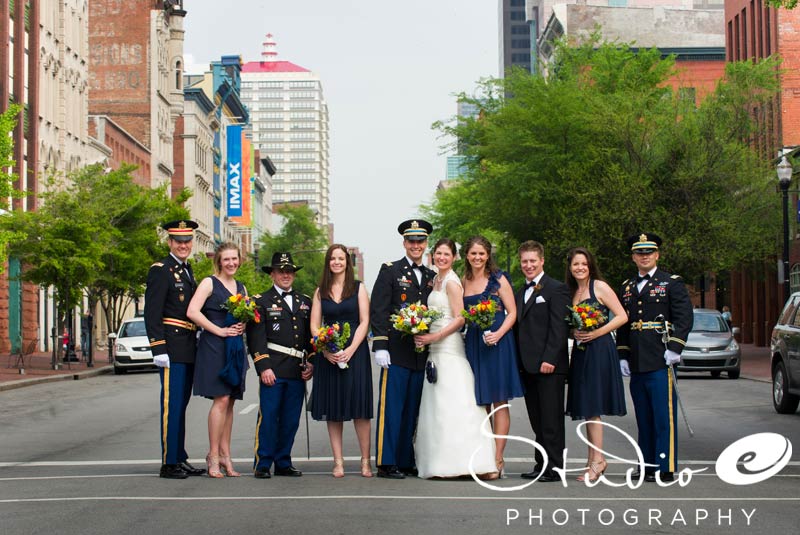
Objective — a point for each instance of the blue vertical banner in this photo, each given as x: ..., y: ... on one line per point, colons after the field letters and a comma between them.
x: 233, y: 197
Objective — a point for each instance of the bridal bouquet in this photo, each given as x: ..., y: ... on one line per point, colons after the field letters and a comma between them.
x: 415, y: 318
x: 585, y: 317
x: 332, y: 338
x: 481, y: 313
x: 242, y: 308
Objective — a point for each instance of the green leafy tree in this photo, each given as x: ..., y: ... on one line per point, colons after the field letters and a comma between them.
x: 8, y: 121
x: 786, y: 4
x: 601, y: 148
x: 95, y: 232
x: 302, y: 237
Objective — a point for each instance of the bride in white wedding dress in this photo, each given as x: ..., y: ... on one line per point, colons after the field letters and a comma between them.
x: 449, y: 425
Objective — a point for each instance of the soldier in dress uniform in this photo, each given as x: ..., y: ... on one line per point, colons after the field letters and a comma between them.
x: 279, y: 345
x: 399, y: 283
x: 170, y: 286
x: 650, y: 294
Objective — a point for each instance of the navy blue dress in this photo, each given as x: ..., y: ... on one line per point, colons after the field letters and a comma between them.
x: 495, y: 367
x: 211, y: 348
x: 338, y: 394
x: 595, y: 380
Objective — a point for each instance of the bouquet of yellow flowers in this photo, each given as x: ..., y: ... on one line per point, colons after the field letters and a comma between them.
x: 585, y: 317
x: 332, y: 338
x: 481, y: 313
x: 415, y: 318
x: 242, y: 308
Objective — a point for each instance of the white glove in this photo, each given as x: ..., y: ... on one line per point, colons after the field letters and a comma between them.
x: 624, y: 368
x: 382, y: 358
x: 670, y: 357
x: 162, y: 361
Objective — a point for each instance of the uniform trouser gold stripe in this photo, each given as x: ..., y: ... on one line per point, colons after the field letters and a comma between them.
x: 255, y: 444
x: 382, y: 415
x: 670, y: 394
x: 164, y: 416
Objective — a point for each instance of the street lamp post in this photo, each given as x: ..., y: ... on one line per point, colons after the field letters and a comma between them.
x: 785, y: 179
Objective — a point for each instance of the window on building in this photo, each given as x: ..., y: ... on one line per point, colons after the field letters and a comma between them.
x: 517, y: 15
x: 517, y: 3
x: 520, y: 29
x: 521, y: 43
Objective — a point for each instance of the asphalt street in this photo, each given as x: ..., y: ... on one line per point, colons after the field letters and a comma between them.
x: 82, y: 457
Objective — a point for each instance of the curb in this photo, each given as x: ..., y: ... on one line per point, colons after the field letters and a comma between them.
x: 12, y: 385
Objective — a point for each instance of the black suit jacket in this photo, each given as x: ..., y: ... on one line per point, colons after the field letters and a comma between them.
x: 541, y: 330
x: 396, y: 286
x: 167, y: 295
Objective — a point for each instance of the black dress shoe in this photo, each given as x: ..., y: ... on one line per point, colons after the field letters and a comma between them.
x: 390, y: 472
x: 191, y: 470
x: 664, y: 476
x: 548, y: 477
x: 262, y: 473
x: 650, y: 477
x: 289, y: 471
x: 410, y: 472
x: 172, y: 471
x: 533, y: 474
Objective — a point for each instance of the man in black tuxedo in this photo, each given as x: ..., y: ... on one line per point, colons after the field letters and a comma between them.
x: 541, y: 335
x: 399, y: 284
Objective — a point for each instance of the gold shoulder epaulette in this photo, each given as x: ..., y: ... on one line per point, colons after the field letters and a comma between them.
x: 387, y: 264
x: 675, y: 277
x: 257, y: 296
x: 157, y: 264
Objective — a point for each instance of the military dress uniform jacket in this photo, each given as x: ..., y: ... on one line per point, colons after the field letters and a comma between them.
x: 170, y: 287
x: 637, y: 341
x: 396, y: 286
x: 288, y: 327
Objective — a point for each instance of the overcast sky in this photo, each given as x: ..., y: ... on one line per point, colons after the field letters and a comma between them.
x: 388, y: 69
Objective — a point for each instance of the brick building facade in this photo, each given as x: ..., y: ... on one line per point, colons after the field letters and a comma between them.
x: 754, y: 31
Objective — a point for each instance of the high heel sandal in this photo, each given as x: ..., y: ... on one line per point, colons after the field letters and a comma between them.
x: 212, y: 463
x: 338, y: 468
x: 366, y: 468
x: 227, y: 466
x: 594, y: 471
x: 585, y: 471
x: 501, y: 467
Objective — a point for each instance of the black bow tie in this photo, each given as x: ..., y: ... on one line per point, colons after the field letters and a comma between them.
x: 640, y: 278
x: 530, y: 284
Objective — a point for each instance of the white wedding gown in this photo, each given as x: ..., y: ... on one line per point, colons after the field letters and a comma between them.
x: 448, y: 429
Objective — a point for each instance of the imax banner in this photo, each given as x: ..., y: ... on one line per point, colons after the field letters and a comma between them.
x: 234, y: 190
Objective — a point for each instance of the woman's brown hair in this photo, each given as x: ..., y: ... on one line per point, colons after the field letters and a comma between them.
x: 594, y: 271
x: 490, y: 267
x: 222, y: 247
x: 326, y: 281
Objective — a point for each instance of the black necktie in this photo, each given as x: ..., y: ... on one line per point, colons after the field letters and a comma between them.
x: 185, y: 267
x: 640, y: 278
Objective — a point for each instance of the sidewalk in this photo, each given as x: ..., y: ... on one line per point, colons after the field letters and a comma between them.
x: 756, y: 363
x: 38, y: 369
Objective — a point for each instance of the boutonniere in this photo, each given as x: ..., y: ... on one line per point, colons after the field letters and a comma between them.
x: 537, y: 287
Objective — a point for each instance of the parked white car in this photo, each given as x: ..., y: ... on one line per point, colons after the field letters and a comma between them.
x: 132, y: 351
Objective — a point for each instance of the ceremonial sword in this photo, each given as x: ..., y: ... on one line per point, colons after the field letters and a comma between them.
x: 665, y: 339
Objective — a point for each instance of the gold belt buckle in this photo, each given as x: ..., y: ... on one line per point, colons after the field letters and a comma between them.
x: 637, y: 325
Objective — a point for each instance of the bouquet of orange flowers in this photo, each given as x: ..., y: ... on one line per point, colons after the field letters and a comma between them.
x: 585, y: 317
x: 332, y: 338
x: 242, y: 308
x: 481, y: 313
x: 415, y: 318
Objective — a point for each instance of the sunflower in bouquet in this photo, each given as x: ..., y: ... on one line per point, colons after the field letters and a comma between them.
x: 415, y: 318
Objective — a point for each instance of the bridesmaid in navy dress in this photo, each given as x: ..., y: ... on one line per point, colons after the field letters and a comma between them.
x: 343, y: 380
x: 595, y: 380
x: 492, y: 353
x: 205, y: 310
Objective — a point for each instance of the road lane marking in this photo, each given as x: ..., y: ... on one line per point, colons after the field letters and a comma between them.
x: 249, y: 408
x: 388, y: 497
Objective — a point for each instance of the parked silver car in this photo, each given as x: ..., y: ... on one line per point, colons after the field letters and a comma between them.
x: 711, y: 346
x: 132, y: 349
